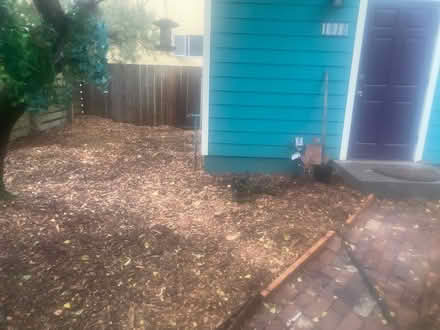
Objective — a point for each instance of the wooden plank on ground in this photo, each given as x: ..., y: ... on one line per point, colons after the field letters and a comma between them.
x: 50, y: 116
x: 52, y: 124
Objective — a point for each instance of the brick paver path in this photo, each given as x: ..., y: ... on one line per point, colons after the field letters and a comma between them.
x: 398, y: 246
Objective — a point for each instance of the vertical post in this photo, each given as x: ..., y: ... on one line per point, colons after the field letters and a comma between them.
x: 106, y: 96
x: 162, y: 112
x: 187, y: 94
x: 141, y: 117
x: 154, y: 96
x: 180, y: 97
x: 147, y: 95
x: 196, y: 140
x: 324, y: 116
x: 72, y: 113
x: 71, y: 110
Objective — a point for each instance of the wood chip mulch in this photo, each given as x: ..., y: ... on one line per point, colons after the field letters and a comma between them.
x: 114, y: 229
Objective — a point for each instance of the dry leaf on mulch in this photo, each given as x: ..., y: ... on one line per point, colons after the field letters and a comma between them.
x: 113, y: 228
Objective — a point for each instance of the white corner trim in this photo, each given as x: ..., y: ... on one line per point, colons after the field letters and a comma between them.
x: 352, y: 85
x: 204, y: 107
x: 429, y: 99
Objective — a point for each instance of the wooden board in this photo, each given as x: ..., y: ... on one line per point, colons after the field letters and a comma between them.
x: 148, y: 95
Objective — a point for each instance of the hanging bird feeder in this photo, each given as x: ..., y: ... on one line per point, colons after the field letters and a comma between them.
x: 166, y: 27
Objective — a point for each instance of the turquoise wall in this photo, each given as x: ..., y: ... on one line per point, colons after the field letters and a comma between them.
x: 432, y: 145
x: 268, y: 60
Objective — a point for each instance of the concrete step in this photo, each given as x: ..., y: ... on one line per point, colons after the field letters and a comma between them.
x: 365, y: 176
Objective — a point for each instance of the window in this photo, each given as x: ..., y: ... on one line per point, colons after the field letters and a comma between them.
x: 180, y: 44
x: 188, y: 45
x: 195, y: 46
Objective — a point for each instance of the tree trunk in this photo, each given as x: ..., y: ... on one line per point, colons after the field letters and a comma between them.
x: 9, y: 115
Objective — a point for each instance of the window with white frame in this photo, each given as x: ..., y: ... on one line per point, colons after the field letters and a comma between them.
x: 188, y: 45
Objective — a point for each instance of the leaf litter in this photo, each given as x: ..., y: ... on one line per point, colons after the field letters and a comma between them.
x: 113, y: 228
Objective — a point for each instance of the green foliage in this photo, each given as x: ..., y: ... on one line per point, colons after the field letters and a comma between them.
x: 131, y: 29
x: 85, y: 53
x: 24, y: 49
x: 33, y: 69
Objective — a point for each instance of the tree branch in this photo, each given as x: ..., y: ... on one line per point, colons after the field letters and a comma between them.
x: 52, y: 12
x: 89, y: 5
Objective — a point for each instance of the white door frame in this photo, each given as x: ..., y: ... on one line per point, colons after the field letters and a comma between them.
x: 352, y: 86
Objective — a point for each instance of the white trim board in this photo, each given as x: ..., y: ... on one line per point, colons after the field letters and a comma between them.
x: 354, y: 72
x: 429, y: 99
x: 204, y: 107
x: 429, y: 96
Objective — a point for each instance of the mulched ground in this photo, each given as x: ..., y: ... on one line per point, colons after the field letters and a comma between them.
x: 114, y: 229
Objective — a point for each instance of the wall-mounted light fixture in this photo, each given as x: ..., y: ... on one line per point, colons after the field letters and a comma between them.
x: 337, y: 3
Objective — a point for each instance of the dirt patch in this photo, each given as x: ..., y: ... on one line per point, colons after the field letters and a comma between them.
x: 114, y: 229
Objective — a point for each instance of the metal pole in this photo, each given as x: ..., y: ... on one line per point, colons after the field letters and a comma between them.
x: 324, y: 116
x: 196, y: 141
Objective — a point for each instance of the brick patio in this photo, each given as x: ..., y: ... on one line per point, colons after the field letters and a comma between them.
x: 398, y: 246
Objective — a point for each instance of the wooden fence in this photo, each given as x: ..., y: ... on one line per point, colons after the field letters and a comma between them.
x: 148, y: 95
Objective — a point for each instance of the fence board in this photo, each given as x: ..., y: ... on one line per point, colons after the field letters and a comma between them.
x: 55, y: 116
x: 39, y: 121
x: 148, y: 95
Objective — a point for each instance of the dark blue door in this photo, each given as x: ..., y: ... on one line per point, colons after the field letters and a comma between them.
x: 394, y: 71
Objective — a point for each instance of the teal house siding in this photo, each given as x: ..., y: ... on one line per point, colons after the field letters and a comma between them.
x: 432, y: 145
x: 267, y: 64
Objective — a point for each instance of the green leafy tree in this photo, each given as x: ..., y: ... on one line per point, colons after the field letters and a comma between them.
x: 41, y: 42
x: 131, y: 29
